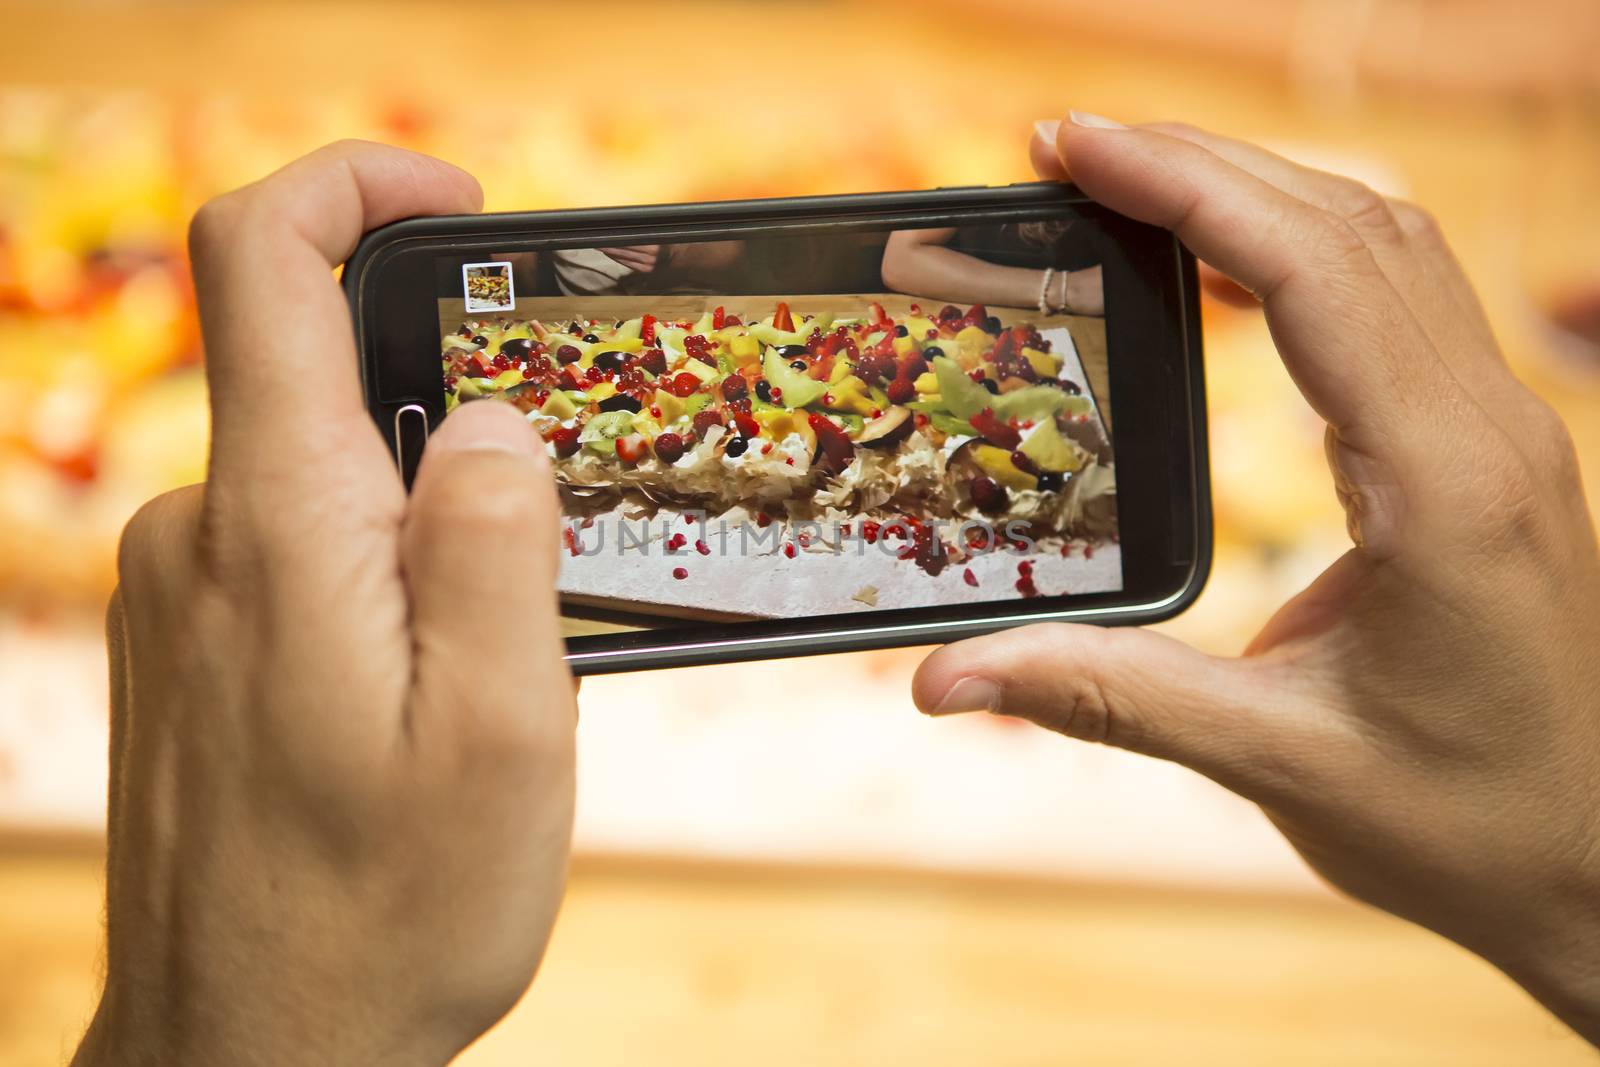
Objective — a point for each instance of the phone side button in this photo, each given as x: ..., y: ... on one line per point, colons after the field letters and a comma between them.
x: 410, y: 437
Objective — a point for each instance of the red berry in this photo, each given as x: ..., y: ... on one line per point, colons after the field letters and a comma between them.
x: 901, y: 391
x: 680, y: 573
x: 565, y: 438
x: 986, y: 494
x: 682, y: 384
x: 706, y: 418
x: 669, y: 447
x: 569, y: 354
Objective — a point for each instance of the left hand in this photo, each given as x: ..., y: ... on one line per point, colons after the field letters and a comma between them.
x: 342, y: 742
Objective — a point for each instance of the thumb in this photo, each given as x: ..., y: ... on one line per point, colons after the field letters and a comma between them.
x: 1132, y: 689
x: 480, y: 555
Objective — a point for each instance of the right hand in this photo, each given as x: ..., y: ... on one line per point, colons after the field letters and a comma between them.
x: 1423, y: 722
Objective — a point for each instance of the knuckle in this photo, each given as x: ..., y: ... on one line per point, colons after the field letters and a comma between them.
x: 145, y: 547
x: 1364, y: 208
x: 1416, y: 222
x: 214, y: 225
x: 1087, y: 707
x: 1553, y: 438
x: 1334, y: 239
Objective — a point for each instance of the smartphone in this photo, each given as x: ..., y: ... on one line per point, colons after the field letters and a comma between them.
x: 786, y: 427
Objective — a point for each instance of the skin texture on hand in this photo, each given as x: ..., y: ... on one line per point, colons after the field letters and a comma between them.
x: 1422, y: 722
x: 334, y: 835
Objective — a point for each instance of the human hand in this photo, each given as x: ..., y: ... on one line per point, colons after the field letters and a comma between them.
x: 641, y: 259
x: 1421, y: 722
x: 342, y: 756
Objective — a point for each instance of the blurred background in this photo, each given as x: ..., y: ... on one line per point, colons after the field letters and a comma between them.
x: 783, y: 862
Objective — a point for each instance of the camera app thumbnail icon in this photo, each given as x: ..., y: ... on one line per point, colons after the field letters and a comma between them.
x: 488, y: 286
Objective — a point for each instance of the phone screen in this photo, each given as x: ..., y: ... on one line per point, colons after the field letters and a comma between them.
x: 815, y: 424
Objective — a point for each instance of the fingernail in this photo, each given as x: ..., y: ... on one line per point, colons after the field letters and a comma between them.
x: 1097, y: 122
x: 969, y: 694
x: 1046, y: 129
x: 486, y: 426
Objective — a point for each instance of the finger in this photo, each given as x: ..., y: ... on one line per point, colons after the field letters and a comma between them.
x: 1343, y: 330
x: 1048, y: 165
x: 1404, y: 239
x: 1221, y: 287
x: 1238, y: 723
x: 479, y: 550
x: 280, y: 351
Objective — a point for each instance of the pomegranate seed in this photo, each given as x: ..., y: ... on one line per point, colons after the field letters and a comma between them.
x: 970, y: 578
x: 702, y: 548
x: 680, y: 573
x: 763, y: 520
x: 788, y: 550
x: 676, y: 541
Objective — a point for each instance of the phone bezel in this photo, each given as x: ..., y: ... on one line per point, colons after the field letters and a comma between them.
x: 1160, y: 441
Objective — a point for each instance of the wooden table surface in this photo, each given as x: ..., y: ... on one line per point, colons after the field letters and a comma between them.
x: 662, y: 965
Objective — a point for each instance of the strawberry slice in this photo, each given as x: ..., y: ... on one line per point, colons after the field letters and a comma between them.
x: 746, y: 424
x: 781, y: 319
x: 719, y: 318
x: 647, y: 330
x: 837, y: 449
x: 880, y: 317
x: 975, y: 316
x: 632, y: 448
x: 994, y: 431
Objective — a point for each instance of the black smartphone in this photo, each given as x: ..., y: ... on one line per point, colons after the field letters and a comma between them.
x: 784, y: 427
